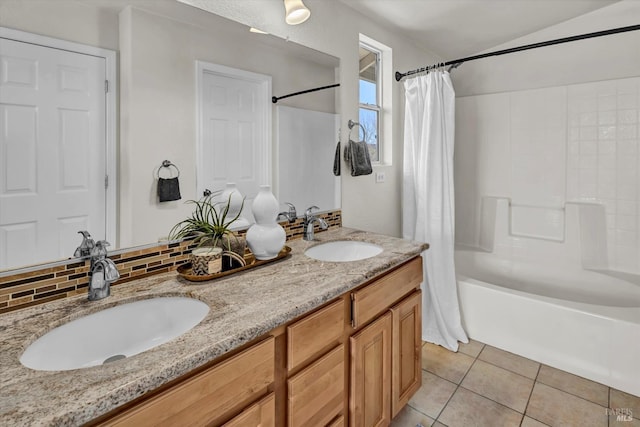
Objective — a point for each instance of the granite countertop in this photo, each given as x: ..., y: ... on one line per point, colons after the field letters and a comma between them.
x: 244, y: 306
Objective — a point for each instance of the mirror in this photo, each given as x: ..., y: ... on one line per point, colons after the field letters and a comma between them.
x: 157, y: 44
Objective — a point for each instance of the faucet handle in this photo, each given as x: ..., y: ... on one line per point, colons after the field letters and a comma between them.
x: 86, y: 247
x: 100, y: 248
x: 308, y: 212
x: 292, y: 210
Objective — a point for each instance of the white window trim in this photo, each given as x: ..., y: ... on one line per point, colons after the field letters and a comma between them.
x: 385, y: 98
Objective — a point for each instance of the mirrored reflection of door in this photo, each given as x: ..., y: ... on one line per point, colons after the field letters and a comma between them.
x: 52, y: 151
x: 234, y: 131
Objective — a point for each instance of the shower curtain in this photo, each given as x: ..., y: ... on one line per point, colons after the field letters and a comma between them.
x: 428, y: 200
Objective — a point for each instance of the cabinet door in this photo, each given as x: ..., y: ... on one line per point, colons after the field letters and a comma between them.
x: 370, y: 391
x: 406, y: 362
x: 261, y: 414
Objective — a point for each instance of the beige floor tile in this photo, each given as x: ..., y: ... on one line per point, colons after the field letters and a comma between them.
x: 581, y: 387
x: 558, y: 408
x: 620, y: 399
x: 469, y: 409
x: 409, y: 417
x: 505, y: 387
x: 624, y: 404
x: 438, y: 424
x: 509, y: 361
x: 433, y: 395
x: 530, y: 422
x: 444, y: 363
x: 472, y: 348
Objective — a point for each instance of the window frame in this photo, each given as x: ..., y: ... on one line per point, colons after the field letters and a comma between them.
x: 377, y: 108
x: 384, y: 97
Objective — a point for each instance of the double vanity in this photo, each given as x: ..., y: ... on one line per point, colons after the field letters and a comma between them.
x: 327, y: 336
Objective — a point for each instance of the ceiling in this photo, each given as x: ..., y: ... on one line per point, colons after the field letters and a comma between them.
x: 457, y: 28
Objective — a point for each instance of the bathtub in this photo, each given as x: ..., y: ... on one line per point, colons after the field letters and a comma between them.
x: 586, y: 322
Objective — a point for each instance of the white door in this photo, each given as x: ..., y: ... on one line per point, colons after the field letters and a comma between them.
x: 52, y: 151
x: 234, y: 130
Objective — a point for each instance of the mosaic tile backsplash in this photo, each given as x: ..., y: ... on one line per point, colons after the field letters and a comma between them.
x: 26, y: 289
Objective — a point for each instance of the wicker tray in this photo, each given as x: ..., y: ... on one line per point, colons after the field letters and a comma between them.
x: 185, y: 269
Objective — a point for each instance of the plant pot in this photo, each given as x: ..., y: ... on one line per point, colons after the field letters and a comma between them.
x: 233, y: 243
x: 207, y: 260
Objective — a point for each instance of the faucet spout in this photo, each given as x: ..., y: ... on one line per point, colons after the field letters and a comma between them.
x: 103, y: 272
x: 290, y: 215
x: 309, y: 220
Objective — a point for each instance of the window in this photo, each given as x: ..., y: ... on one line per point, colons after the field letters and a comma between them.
x: 376, y: 98
x: 369, y: 98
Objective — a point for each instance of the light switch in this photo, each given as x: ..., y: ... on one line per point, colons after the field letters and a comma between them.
x: 379, y: 177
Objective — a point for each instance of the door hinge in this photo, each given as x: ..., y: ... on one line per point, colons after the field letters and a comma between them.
x: 106, y: 181
x: 106, y: 86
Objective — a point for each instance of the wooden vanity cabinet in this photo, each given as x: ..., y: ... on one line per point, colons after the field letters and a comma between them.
x: 210, y: 397
x: 381, y: 333
x: 354, y: 361
x: 385, y: 362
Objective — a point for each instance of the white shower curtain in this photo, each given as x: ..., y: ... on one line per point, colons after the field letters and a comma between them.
x: 428, y: 200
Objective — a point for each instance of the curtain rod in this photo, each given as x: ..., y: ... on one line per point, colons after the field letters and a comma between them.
x: 275, y: 99
x: 457, y: 62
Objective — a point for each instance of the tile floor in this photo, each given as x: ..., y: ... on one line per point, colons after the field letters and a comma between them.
x: 483, y: 386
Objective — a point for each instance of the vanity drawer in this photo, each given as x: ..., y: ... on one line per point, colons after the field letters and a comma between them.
x: 209, y: 396
x: 316, y: 394
x: 309, y: 337
x: 261, y: 414
x: 379, y: 295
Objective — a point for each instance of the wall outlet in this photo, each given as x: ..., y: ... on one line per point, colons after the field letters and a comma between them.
x: 379, y: 177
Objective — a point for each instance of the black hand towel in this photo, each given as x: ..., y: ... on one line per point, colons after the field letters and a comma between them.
x: 168, y: 189
x: 336, y: 161
x: 357, y: 155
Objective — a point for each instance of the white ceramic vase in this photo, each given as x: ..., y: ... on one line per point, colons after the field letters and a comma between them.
x: 266, y: 237
x: 265, y: 206
x: 234, y: 197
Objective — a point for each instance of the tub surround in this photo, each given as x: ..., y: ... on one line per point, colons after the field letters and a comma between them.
x: 243, y: 307
x: 541, y: 284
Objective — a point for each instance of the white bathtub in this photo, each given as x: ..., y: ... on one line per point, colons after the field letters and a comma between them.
x: 583, y: 322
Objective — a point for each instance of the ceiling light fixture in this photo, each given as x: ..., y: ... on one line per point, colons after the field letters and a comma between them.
x: 295, y: 12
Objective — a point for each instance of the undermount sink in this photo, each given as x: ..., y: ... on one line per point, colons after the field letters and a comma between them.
x: 114, y: 333
x: 343, y: 251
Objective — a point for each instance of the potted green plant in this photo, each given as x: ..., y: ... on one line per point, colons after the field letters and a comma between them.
x: 208, y: 226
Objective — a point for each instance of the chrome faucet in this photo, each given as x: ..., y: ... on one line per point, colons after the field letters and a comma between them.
x: 87, y: 245
x: 291, y: 215
x: 309, y: 219
x: 102, y: 273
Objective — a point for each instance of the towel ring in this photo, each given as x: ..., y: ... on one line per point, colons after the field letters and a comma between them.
x: 168, y: 164
x: 352, y: 124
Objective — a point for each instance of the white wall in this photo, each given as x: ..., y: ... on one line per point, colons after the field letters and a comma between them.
x: 63, y: 19
x: 551, y: 126
x: 334, y: 28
